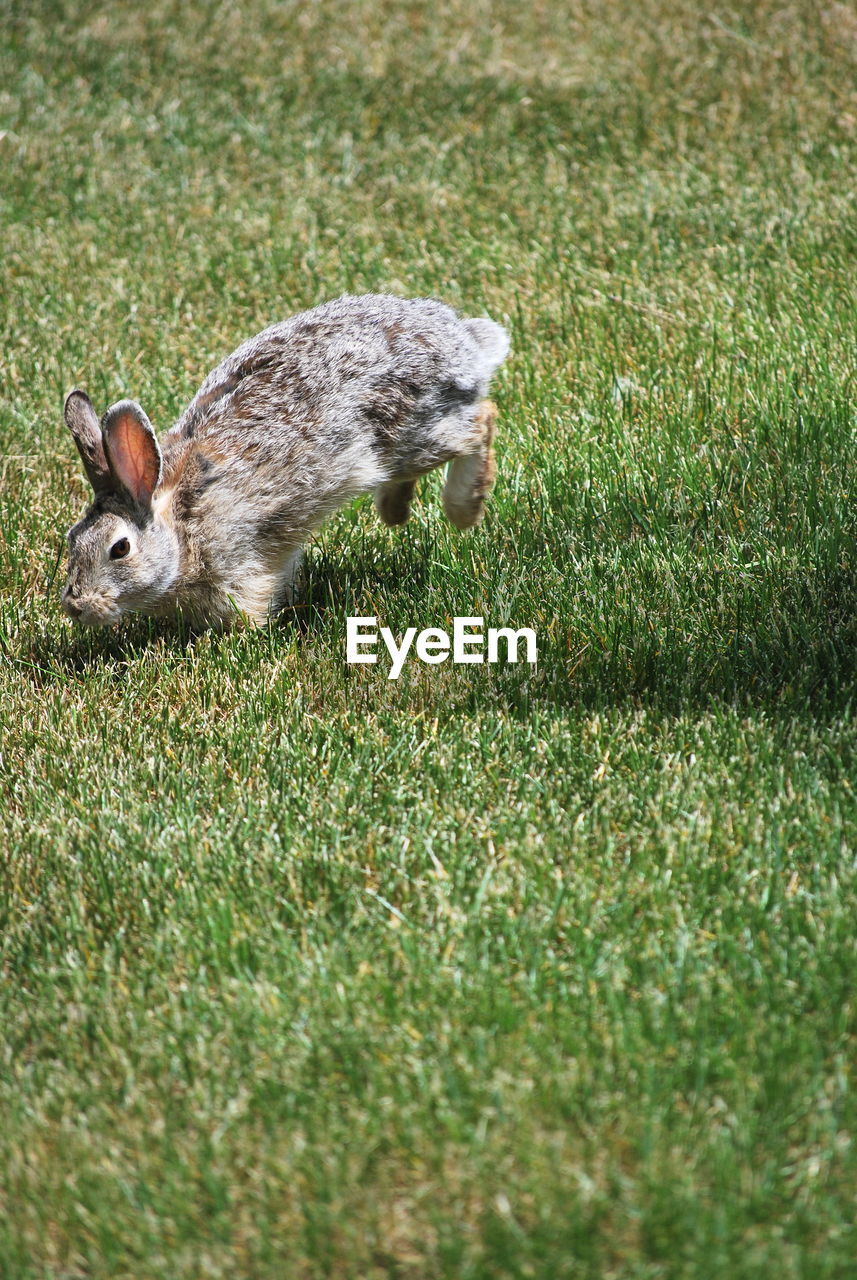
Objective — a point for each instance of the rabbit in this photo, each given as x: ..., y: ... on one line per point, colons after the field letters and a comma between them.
x: 362, y: 394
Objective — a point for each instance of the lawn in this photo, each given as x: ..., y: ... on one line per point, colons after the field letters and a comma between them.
x: 487, y: 972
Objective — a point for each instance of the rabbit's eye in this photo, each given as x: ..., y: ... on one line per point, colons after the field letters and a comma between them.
x: 120, y: 549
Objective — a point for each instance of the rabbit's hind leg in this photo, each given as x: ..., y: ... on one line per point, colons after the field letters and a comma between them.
x: 393, y: 500
x: 470, y: 477
x: 291, y: 579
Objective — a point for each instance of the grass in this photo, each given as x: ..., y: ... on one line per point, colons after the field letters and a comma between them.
x: 484, y: 972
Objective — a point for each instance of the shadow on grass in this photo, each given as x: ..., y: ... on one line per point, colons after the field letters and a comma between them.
x: 799, y: 655
x: 800, y: 660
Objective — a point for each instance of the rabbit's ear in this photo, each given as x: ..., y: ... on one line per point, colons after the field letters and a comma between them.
x: 132, y: 450
x: 82, y: 421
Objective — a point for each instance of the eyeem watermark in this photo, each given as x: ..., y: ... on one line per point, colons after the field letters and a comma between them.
x: 470, y: 642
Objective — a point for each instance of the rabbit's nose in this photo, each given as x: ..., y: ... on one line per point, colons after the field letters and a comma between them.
x: 71, y: 606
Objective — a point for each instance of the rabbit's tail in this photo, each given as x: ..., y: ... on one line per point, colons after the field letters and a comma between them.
x: 492, y: 341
